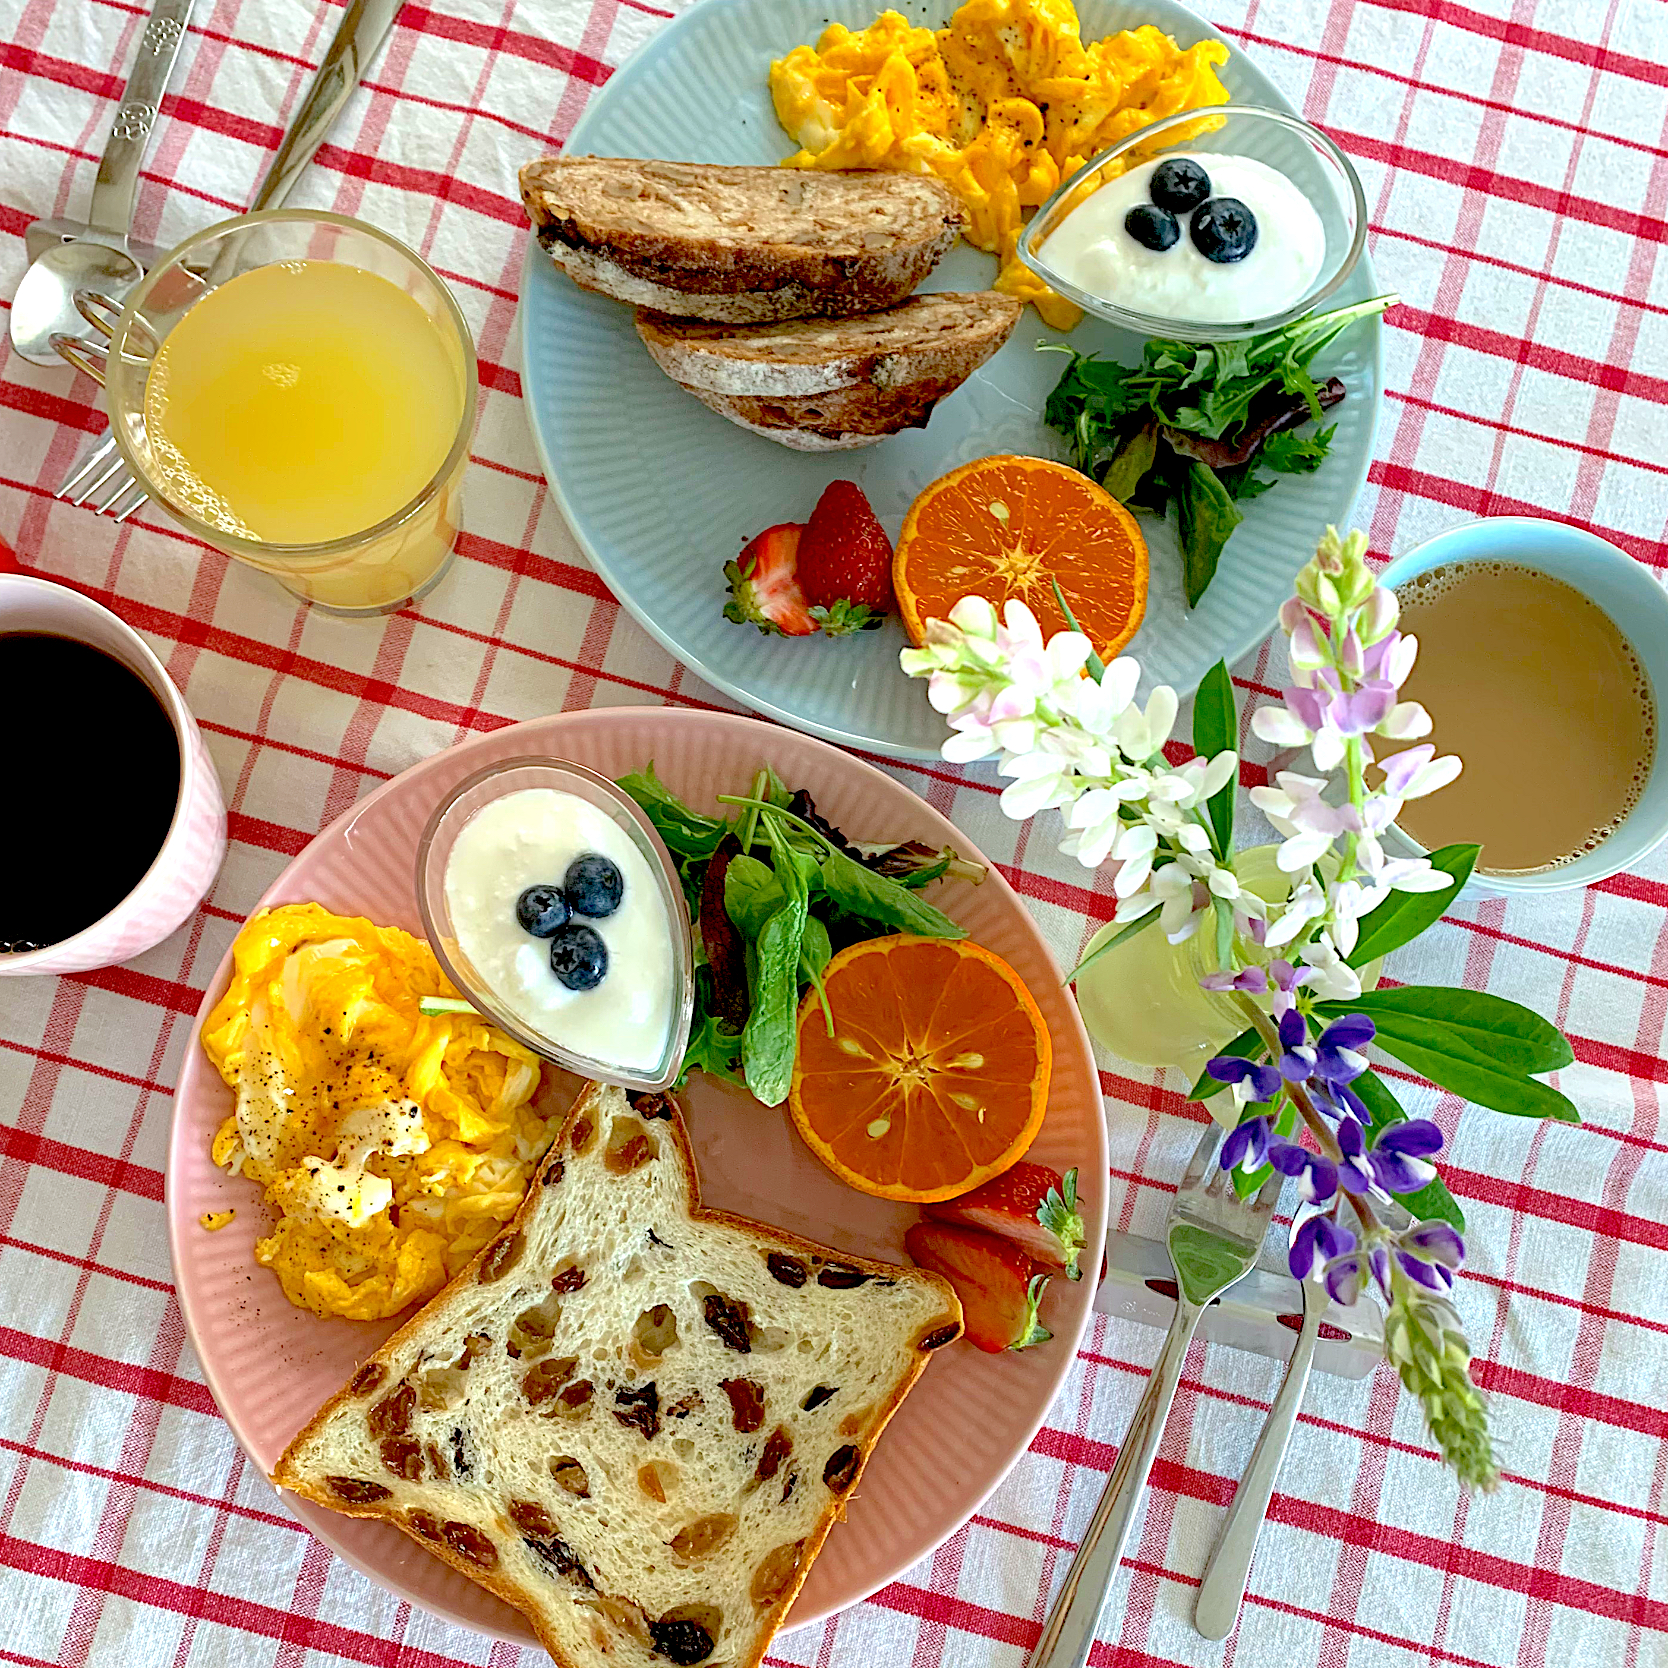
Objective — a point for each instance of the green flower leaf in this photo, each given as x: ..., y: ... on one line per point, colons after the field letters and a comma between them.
x: 1215, y: 728
x: 1446, y: 1054
x: 1503, y: 1032
x: 1404, y: 915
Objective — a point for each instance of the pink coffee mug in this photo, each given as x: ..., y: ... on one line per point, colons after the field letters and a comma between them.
x: 191, y: 854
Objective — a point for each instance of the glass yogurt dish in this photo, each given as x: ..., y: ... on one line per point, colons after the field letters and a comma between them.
x: 1124, y: 243
x: 600, y: 979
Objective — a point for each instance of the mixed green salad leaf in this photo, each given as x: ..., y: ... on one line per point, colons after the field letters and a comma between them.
x: 774, y: 890
x: 1195, y: 425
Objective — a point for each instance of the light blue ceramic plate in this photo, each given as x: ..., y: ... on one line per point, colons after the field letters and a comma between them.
x: 661, y: 492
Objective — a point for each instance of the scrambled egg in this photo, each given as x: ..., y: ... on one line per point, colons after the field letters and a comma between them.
x: 1002, y: 106
x: 391, y: 1146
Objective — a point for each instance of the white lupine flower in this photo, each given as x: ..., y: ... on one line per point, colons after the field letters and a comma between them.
x: 1334, y: 979
x: 1141, y: 734
x: 1042, y: 781
x: 1406, y: 721
x: 1097, y: 706
x: 1378, y: 616
x: 1084, y: 747
x: 1307, y: 903
x: 1095, y: 827
x: 974, y: 617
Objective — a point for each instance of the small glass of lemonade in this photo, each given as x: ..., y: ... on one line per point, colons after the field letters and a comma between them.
x: 298, y: 390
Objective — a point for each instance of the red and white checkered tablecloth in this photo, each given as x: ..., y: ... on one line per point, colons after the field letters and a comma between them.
x: 1515, y: 154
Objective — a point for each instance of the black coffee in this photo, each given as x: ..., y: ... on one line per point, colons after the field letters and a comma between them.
x: 92, y: 773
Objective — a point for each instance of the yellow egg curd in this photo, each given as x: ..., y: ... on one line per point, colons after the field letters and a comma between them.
x: 1002, y: 105
x: 391, y: 1145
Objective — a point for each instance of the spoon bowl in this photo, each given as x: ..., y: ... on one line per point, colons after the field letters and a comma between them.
x: 44, y: 305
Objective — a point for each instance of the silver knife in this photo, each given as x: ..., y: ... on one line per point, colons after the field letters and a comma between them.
x: 363, y: 29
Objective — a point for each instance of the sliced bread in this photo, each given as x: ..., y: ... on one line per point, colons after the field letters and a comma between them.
x: 831, y: 384
x: 739, y: 245
x: 632, y: 1418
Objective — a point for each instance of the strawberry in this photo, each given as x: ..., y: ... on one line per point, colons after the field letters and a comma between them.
x: 845, y: 562
x: 764, y: 583
x: 999, y: 1286
x: 1030, y: 1205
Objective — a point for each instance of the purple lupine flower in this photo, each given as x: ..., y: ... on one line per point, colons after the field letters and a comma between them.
x: 1252, y: 1079
x: 1338, y: 1101
x: 1286, y: 979
x: 1247, y: 1145
x: 1317, y: 1176
x: 1297, y: 1061
x: 1252, y: 979
x: 1317, y: 1242
x: 1398, y: 1156
x: 1344, y: 1276
x: 1355, y: 1170
x: 1429, y: 1252
x: 1337, y: 1052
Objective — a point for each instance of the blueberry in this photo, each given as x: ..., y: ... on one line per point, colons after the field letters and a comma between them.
x: 578, y: 956
x: 1178, y: 185
x: 593, y: 885
x: 542, y: 909
x: 1151, y: 227
x: 1224, y: 230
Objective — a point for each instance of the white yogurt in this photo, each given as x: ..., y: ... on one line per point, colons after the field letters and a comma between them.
x: 529, y: 839
x: 1091, y: 249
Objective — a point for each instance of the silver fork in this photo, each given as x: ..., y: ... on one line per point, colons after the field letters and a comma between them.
x: 364, y: 26
x: 1213, y: 1237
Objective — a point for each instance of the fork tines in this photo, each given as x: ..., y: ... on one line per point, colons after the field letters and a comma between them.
x: 104, y: 472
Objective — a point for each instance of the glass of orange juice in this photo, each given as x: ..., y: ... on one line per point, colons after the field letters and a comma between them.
x: 298, y: 390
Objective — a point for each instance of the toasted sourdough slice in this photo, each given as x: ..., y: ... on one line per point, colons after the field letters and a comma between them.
x: 739, y: 245
x: 831, y: 384
x: 632, y: 1418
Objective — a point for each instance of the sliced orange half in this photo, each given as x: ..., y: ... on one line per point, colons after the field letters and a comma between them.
x: 1005, y: 527
x: 936, y: 1076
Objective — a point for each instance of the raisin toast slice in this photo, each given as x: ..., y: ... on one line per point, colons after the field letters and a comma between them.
x: 632, y: 1418
x: 832, y: 384
x: 739, y: 244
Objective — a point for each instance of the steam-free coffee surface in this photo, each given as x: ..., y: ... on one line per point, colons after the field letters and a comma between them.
x: 1544, y: 700
x: 92, y: 774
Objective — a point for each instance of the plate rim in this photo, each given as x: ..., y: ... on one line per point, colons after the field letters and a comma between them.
x: 1246, y: 643
x: 320, y: 1522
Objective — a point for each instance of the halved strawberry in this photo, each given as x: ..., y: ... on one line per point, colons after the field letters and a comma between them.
x: 999, y: 1286
x: 845, y: 561
x: 1031, y: 1205
x: 764, y: 583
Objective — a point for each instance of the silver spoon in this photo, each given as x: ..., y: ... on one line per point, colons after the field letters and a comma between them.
x: 98, y: 257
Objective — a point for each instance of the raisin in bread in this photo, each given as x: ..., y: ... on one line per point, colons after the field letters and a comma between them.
x: 824, y: 385
x: 634, y: 1419
x: 739, y: 244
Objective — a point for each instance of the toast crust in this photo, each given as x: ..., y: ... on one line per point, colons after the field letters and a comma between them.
x: 286, y: 1473
x: 833, y: 385
x: 740, y: 245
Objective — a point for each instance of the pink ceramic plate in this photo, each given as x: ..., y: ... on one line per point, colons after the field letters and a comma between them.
x: 270, y: 1365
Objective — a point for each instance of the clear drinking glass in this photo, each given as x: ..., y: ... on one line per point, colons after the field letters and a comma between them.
x: 368, y: 572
